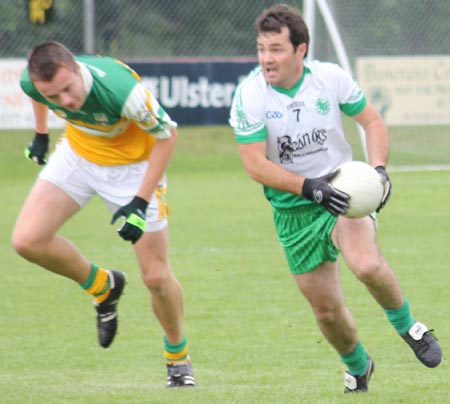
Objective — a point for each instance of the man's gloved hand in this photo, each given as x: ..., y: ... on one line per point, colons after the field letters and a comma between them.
x: 38, y: 148
x: 133, y: 216
x: 320, y: 191
x: 387, y: 186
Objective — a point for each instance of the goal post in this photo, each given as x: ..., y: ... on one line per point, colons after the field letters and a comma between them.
x: 397, y: 52
x: 338, y: 44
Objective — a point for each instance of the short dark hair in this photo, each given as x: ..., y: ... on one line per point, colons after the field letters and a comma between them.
x: 273, y: 19
x: 45, y: 60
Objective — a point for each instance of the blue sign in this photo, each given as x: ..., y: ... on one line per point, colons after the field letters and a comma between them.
x: 194, y: 92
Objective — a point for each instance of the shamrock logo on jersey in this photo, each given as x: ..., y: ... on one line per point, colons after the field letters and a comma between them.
x: 322, y: 106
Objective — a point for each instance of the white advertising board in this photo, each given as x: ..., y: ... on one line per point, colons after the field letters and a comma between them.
x: 407, y: 90
x: 16, y: 111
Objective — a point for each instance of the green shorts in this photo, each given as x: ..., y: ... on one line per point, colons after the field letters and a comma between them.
x: 305, y: 234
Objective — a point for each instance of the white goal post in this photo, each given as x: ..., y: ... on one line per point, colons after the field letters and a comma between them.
x: 335, y: 37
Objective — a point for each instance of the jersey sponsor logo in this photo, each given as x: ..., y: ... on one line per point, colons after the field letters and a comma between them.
x: 274, y: 115
x: 300, y: 145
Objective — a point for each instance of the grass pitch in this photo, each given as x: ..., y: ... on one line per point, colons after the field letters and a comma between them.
x: 252, y: 337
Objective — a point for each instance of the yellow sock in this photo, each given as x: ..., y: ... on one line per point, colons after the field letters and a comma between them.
x: 176, y: 352
x: 98, y: 284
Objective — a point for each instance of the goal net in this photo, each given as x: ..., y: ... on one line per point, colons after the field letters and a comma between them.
x: 400, y: 54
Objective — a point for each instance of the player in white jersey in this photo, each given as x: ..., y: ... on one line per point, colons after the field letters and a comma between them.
x: 117, y: 145
x: 287, y: 121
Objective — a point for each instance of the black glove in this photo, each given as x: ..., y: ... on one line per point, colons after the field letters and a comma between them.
x: 134, y: 219
x: 387, y: 186
x: 320, y: 191
x: 38, y: 148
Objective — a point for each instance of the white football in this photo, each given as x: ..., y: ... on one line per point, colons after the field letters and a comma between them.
x: 364, y: 185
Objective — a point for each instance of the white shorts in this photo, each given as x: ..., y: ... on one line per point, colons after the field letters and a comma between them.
x: 115, y: 185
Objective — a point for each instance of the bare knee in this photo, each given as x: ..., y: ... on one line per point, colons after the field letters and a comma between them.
x: 24, y: 245
x: 157, y: 279
x: 327, y: 316
x: 367, y: 269
x: 153, y: 281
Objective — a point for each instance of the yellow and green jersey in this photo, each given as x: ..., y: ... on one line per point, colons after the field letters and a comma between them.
x: 120, y: 119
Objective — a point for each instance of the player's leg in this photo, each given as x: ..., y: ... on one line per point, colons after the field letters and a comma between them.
x: 166, y: 296
x: 46, y: 209
x: 164, y: 288
x: 167, y: 303
x: 356, y: 239
x: 322, y: 289
x: 58, y: 194
x: 152, y: 252
x: 305, y: 234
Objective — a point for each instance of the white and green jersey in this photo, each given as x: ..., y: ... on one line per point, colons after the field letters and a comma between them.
x: 302, y: 127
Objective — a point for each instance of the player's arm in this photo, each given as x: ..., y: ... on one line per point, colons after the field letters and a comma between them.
x: 40, y: 116
x: 38, y: 148
x: 160, y: 158
x: 377, y: 136
x: 378, y: 145
x: 264, y: 171
x: 145, y: 111
x: 134, y: 212
x: 166, y: 136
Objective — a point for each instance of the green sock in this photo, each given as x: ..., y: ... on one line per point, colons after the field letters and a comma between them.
x: 97, y: 284
x: 86, y: 285
x: 176, y: 352
x: 401, y: 318
x: 356, y: 361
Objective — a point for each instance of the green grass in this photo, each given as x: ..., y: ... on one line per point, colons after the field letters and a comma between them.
x: 252, y: 336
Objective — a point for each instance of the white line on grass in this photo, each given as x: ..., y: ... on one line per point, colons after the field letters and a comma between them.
x: 425, y: 167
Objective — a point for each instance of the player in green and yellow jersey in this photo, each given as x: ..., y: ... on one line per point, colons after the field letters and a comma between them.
x: 117, y: 145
